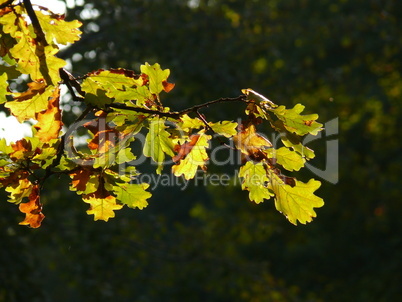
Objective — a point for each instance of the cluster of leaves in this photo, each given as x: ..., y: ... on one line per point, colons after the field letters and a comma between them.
x: 122, y: 103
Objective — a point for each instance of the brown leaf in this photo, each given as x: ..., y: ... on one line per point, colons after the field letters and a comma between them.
x: 34, y: 88
x: 49, y: 122
x: 32, y: 210
x: 80, y: 179
x: 185, y: 149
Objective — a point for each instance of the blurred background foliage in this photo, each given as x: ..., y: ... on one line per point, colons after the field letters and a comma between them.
x: 340, y: 58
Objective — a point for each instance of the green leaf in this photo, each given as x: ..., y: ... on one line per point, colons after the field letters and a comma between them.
x: 126, y: 121
x: 157, y: 143
x: 225, y: 128
x: 5, y: 149
x: 296, y: 203
x: 124, y: 155
x: 297, y: 146
x: 133, y: 195
x: 187, y: 123
x: 255, y: 181
x: 296, y: 123
x: 95, y: 92
x: 290, y: 160
x: 11, y: 71
x: 119, y: 84
x: 156, y: 77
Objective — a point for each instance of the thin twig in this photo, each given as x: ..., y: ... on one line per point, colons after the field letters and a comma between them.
x: 176, y: 114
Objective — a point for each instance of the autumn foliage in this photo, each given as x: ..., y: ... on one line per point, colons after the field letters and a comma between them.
x: 119, y: 104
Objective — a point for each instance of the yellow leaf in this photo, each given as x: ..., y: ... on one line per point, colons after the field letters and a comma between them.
x: 58, y: 29
x: 194, y: 159
x: 25, y: 108
x: 296, y: 203
x: 102, y: 204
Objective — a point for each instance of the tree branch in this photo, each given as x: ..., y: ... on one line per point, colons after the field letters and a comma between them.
x: 177, y: 114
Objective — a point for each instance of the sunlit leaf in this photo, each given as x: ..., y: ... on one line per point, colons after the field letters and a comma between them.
x: 59, y: 30
x: 84, y: 181
x: 197, y: 157
x: 296, y: 123
x: 255, y: 180
x: 157, y: 143
x: 28, y: 103
x: 133, y: 195
x: 32, y: 209
x: 49, y: 121
x: 296, y: 203
x: 102, y: 204
x: 251, y: 143
x: 3, y: 88
x: 225, y: 128
x: 187, y: 123
x: 157, y: 77
x: 290, y: 160
x: 18, y: 190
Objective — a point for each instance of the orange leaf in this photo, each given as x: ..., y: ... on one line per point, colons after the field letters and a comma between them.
x: 49, y: 122
x: 32, y: 209
x: 167, y: 87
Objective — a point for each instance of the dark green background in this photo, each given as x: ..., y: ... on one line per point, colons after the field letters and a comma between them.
x: 340, y: 58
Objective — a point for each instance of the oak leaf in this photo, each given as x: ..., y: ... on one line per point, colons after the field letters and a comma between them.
x: 29, y: 103
x: 84, y: 181
x: 133, y: 195
x: 195, y: 158
x: 183, y: 150
x: 19, y: 189
x: 157, y: 78
x: 294, y: 122
x: 157, y: 143
x: 102, y: 204
x: 250, y: 143
x: 255, y: 180
x: 297, y: 203
x: 32, y: 209
x: 58, y: 30
x: 49, y: 121
x: 225, y: 128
